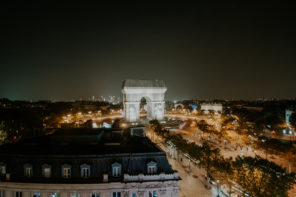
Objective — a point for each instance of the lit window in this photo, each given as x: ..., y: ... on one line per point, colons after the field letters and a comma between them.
x: 66, y: 171
x: 116, y: 194
x: 116, y: 169
x: 55, y: 194
x: 36, y: 194
x: 18, y: 194
x: 95, y: 195
x: 85, y: 170
x: 28, y: 170
x: 46, y: 171
x: 152, y: 194
x: 152, y: 167
x: 2, y: 169
x: 75, y: 195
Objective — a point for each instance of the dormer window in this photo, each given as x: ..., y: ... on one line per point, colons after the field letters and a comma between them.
x: 2, y: 169
x: 116, y: 169
x: 28, y: 168
x: 46, y: 171
x: 152, y: 167
x: 85, y: 170
x: 66, y: 171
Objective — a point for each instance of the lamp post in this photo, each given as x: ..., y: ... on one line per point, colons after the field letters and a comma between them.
x: 265, y: 145
x: 218, y: 188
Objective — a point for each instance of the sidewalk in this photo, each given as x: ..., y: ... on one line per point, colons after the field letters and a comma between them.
x: 190, y: 185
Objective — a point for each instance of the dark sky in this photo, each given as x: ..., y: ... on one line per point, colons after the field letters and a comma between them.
x: 206, y: 50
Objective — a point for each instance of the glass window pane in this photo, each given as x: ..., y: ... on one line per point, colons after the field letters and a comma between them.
x: 46, y: 172
x: 2, y: 169
x: 35, y: 194
x: 55, y: 194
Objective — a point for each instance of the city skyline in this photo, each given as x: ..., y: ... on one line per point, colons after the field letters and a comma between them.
x: 203, y: 51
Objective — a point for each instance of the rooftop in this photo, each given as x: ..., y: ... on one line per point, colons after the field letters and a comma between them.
x: 81, y: 142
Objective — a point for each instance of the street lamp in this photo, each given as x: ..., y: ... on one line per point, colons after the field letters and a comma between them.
x: 218, y: 188
x: 265, y: 145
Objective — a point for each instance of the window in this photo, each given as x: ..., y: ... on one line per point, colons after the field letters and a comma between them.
x: 1, y: 193
x: 36, y: 194
x: 116, y: 169
x: 46, y: 171
x: 75, y: 195
x: 152, y: 167
x: 66, y: 171
x: 134, y: 195
x: 152, y: 194
x: 28, y: 170
x: 95, y: 195
x: 85, y: 170
x: 2, y: 169
x: 55, y: 194
x: 116, y: 194
x: 18, y: 194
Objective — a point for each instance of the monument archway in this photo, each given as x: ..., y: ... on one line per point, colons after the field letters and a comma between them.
x: 152, y: 90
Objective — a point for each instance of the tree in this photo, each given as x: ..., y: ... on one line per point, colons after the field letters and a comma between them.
x: 155, y: 126
x: 208, y: 155
x: 202, y: 125
x: 260, y: 177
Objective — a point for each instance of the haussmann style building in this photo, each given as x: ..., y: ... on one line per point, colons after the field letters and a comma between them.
x: 86, y: 163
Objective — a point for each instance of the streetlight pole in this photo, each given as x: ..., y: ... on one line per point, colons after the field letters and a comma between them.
x: 218, y: 188
x: 265, y: 145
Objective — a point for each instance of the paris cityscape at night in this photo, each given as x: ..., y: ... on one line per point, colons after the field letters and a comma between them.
x: 147, y: 99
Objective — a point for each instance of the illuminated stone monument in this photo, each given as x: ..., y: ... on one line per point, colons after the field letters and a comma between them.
x: 152, y: 90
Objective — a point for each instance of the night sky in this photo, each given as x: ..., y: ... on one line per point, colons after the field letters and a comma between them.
x: 208, y: 50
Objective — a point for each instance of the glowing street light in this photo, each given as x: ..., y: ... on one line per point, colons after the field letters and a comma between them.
x: 218, y: 188
x: 123, y: 125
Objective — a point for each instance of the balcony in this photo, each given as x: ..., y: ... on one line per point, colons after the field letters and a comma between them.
x: 151, y: 177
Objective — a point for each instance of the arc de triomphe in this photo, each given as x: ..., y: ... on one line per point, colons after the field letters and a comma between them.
x: 152, y: 90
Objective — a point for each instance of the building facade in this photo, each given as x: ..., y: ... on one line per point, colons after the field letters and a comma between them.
x: 86, y: 163
x: 215, y: 107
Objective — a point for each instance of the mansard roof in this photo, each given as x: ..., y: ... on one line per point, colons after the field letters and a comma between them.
x: 98, y: 148
x: 131, y: 83
x: 81, y: 142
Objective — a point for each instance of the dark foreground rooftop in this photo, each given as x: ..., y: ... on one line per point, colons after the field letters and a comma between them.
x: 81, y: 142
